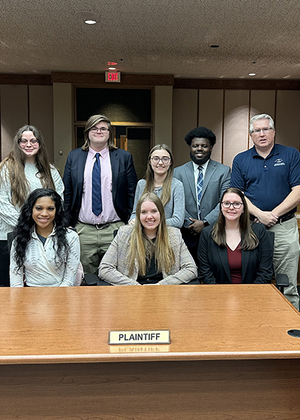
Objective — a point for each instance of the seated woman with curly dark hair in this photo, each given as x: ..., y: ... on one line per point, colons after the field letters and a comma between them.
x: 45, y: 253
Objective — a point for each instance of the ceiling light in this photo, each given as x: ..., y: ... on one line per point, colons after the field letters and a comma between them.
x: 112, y: 68
x: 214, y: 46
x: 90, y: 22
x: 252, y: 74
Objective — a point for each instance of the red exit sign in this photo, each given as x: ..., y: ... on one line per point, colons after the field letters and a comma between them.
x: 113, y: 76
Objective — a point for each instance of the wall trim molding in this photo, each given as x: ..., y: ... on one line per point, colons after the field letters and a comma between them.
x: 25, y: 79
x: 240, y: 84
x: 127, y: 79
x: 147, y: 80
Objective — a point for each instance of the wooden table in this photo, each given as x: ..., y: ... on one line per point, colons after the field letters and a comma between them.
x: 230, y: 356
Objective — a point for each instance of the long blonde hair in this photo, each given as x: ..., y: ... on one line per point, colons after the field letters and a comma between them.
x: 15, y: 164
x: 166, y: 189
x: 141, y: 248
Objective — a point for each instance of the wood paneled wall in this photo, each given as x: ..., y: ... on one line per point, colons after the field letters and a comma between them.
x: 223, y: 106
x: 26, y: 104
x: 227, y: 113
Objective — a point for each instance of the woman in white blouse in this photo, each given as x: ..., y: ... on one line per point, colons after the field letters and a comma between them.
x: 26, y: 168
x: 45, y: 253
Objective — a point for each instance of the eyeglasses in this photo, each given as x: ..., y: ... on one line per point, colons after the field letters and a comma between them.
x: 33, y: 142
x: 235, y: 205
x: 165, y: 159
x: 101, y: 129
x: 264, y: 130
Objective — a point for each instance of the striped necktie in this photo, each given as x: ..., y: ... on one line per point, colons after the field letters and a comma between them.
x: 96, y: 187
x: 199, y: 188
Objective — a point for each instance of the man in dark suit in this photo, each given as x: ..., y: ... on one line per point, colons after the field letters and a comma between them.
x: 204, y: 182
x: 100, y: 182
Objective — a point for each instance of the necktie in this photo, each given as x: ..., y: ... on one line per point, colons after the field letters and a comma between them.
x: 199, y: 188
x: 96, y: 187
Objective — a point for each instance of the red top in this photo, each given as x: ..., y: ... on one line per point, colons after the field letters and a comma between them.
x: 235, y: 264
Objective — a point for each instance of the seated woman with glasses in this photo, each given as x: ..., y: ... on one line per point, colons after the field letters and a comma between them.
x: 159, y: 179
x: 45, y: 253
x: 233, y: 250
x: 149, y: 252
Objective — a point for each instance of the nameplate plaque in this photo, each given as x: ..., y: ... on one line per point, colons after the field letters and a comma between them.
x: 139, y: 337
x: 140, y: 348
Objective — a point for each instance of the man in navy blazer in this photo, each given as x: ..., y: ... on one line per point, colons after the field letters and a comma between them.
x: 115, y: 182
x: 216, y: 179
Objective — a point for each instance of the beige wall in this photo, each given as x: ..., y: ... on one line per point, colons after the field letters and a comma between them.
x: 211, y: 115
x: 63, y: 123
x: 14, y: 114
x: 287, y: 119
x: 163, y: 97
x: 236, y: 118
x: 184, y: 119
x: 41, y: 114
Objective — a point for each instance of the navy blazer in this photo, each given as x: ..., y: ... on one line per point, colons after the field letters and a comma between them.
x: 124, y: 181
x: 257, y: 265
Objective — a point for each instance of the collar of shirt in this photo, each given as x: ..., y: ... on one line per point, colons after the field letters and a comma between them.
x: 35, y: 235
x: 196, y: 171
x: 204, y: 167
x: 104, y: 152
x: 273, y: 152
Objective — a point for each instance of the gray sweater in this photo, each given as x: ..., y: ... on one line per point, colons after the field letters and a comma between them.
x: 174, y: 209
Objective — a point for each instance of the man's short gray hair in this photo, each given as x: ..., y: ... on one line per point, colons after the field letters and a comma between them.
x: 261, y: 117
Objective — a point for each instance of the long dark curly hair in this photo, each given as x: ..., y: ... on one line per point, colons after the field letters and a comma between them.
x: 23, y: 230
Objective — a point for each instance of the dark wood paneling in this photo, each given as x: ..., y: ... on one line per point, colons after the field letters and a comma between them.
x: 25, y: 79
x: 237, y: 84
x: 126, y: 79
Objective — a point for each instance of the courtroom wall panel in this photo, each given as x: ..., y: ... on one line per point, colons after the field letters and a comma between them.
x: 211, y: 109
x: 63, y: 119
x: 263, y: 102
x: 41, y: 114
x: 163, y: 100
x: 185, y: 105
x: 14, y: 114
x: 236, y: 120
x: 287, y: 118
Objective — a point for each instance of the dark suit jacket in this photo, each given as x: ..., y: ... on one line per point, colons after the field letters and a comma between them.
x: 124, y: 181
x: 257, y: 265
x: 216, y: 181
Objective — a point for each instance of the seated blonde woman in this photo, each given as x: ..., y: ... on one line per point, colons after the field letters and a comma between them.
x: 149, y: 252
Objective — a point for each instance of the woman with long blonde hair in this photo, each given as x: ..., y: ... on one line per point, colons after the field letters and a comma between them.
x: 26, y: 168
x: 159, y: 179
x: 148, y: 252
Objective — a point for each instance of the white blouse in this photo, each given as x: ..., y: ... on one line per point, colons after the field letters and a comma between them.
x: 41, y: 267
